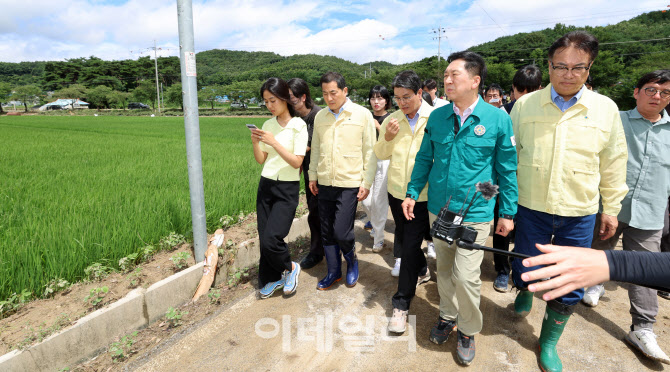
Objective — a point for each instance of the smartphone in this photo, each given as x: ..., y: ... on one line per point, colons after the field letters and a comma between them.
x: 251, y: 126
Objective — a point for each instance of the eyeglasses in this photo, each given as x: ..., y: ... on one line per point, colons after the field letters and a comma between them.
x: 403, y: 99
x: 665, y: 94
x: 563, y: 70
x: 294, y: 100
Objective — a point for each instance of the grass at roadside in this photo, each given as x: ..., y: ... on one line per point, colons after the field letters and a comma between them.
x: 78, y: 190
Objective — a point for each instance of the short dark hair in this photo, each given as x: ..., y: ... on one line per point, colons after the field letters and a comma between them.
x: 407, y: 79
x: 494, y: 86
x: 279, y: 89
x: 581, y: 40
x: 589, y: 81
x: 331, y: 76
x: 381, y: 91
x: 474, y: 64
x: 300, y: 88
x: 426, y: 97
x: 658, y: 77
x: 430, y: 84
x: 527, y: 79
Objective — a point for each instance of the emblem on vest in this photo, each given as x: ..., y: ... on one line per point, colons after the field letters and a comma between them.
x: 480, y: 130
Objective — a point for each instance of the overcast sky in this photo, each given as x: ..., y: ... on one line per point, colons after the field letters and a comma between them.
x: 359, y: 31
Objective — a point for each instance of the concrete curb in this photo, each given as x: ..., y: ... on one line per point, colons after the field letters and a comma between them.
x: 93, y: 333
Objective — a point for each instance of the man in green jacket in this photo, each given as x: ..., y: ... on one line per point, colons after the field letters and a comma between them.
x: 466, y: 142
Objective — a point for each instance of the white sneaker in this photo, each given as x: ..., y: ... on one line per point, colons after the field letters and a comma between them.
x: 398, y: 322
x: 372, y: 233
x: 396, y: 268
x: 593, y: 294
x: 377, y: 247
x: 423, y: 278
x: 644, y: 340
x: 430, y: 251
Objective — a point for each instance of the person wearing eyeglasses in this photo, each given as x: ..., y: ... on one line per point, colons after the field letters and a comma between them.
x: 493, y: 95
x: 465, y: 142
x: 643, y: 209
x: 572, y: 154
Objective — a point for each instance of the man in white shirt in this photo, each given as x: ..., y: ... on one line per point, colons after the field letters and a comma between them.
x: 430, y: 86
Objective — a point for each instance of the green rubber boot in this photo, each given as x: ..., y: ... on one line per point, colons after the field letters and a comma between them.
x: 523, y: 303
x: 552, y: 328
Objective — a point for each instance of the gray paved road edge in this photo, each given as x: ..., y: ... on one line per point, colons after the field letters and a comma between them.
x: 93, y: 333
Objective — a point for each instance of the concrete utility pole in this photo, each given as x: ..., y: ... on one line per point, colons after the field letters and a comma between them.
x: 158, y: 93
x: 192, y: 127
x: 439, y: 31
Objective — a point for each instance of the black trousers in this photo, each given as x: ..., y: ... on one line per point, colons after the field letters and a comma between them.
x: 313, y: 220
x: 276, y: 202
x: 337, y: 210
x: 412, y: 262
x: 501, y: 262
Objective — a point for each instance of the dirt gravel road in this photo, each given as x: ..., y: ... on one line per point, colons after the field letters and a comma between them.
x: 344, y: 329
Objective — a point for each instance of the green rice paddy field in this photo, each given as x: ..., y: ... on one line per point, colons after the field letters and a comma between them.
x: 79, y: 190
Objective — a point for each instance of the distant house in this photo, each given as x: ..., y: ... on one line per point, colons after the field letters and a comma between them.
x: 66, y: 103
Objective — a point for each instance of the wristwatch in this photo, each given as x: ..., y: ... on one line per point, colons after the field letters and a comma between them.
x: 506, y: 216
x: 409, y: 196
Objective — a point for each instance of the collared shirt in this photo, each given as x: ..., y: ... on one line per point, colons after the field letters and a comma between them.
x: 439, y: 102
x: 336, y: 114
x: 402, y: 149
x: 293, y: 137
x: 412, y: 121
x: 466, y: 112
x: 563, y: 104
x: 647, y: 172
x: 570, y: 160
x: 341, y: 152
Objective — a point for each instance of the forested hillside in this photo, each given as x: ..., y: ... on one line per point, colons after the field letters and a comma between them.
x: 628, y: 49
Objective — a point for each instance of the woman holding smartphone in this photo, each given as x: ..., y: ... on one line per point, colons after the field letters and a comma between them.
x: 280, y: 147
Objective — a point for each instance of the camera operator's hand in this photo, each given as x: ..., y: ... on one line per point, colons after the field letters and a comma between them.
x: 392, y: 129
x: 408, y: 208
x: 569, y: 268
x: 504, y: 226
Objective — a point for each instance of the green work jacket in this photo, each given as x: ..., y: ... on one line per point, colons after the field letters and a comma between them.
x: 483, y: 150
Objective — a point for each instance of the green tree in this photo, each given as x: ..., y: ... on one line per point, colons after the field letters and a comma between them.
x: 209, y: 94
x: 99, y: 96
x: 173, y: 95
x: 72, y: 93
x: 118, y: 99
x: 146, y: 92
x: 27, y: 93
x: 5, y: 91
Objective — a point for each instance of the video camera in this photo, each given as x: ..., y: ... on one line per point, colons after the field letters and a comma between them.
x: 449, y: 225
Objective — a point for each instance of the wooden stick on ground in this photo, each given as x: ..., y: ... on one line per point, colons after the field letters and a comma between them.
x: 209, y: 269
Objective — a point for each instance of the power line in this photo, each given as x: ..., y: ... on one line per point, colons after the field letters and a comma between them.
x: 449, y: 29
